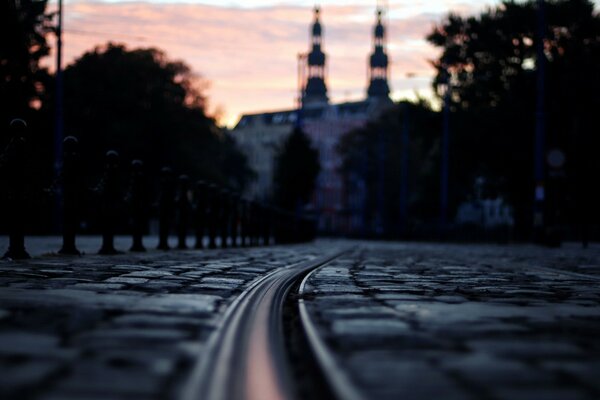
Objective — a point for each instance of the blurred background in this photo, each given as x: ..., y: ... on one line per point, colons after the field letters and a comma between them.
x: 462, y: 120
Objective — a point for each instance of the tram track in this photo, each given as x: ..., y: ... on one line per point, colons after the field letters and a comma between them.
x: 246, y: 358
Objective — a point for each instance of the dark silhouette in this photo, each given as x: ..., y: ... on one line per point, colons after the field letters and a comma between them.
x: 166, y: 207
x: 224, y: 215
x: 24, y: 26
x: 244, y: 222
x: 235, y: 218
x: 72, y: 194
x: 200, y: 216
x: 163, y: 108
x: 494, y: 62
x: 13, y: 163
x: 374, y: 168
x: 265, y: 216
x: 184, y: 211
x: 138, y: 205
x: 296, y: 169
x: 110, y: 197
x: 213, y: 215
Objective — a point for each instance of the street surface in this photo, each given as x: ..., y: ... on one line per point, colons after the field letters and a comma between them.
x: 401, y: 320
x: 420, y: 321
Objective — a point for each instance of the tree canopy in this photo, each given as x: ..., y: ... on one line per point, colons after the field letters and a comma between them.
x: 23, y: 29
x: 296, y: 169
x: 492, y: 65
x: 148, y: 107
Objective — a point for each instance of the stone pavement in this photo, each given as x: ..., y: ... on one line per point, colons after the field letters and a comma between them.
x: 421, y: 321
x: 127, y: 326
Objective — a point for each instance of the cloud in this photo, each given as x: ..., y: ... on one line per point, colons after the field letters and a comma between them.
x: 249, y: 54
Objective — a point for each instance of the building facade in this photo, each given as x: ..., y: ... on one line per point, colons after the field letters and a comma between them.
x: 260, y: 135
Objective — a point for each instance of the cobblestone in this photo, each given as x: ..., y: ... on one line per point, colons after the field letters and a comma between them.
x: 125, y: 326
x: 421, y: 321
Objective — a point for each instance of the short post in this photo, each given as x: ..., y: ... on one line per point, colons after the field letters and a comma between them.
x: 72, y: 183
x: 224, y: 216
x: 213, y: 210
x: 166, y: 203
x: 200, y: 213
x: 234, y: 199
x: 243, y: 222
x: 13, y: 164
x: 138, y: 202
x: 108, y: 190
x: 266, y: 224
x: 183, y: 211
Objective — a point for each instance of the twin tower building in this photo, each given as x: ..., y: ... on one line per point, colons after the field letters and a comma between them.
x: 338, y: 201
x: 315, y: 87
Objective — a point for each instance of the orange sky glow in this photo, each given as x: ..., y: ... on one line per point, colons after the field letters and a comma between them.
x: 248, y: 54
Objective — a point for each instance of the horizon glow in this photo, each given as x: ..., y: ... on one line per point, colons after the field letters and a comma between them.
x: 247, y: 49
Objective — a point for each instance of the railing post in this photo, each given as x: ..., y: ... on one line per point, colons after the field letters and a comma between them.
x: 138, y: 202
x: 166, y: 204
x: 109, y: 197
x: 200, y: 213
x: 72, y: 183
x: 13, y: 163
x: 183, y: 211
x: 213, y: 217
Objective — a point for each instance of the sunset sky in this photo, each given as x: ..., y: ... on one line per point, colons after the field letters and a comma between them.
x: 248, y: 49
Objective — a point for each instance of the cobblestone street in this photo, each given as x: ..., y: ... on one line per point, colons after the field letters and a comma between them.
x: 420, y: 321
x: 125, y: 326
x: 403, y: 320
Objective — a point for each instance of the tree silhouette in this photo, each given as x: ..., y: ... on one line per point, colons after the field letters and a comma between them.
x: 491, y: 59
x: 296, y: 169
x: 23, y: 28
x: 150, y: 108
x: 373, y: 155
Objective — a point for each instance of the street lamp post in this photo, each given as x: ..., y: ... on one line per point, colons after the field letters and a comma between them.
x: 59, y: 122
x: 540, y: 128
x: 445, y: 155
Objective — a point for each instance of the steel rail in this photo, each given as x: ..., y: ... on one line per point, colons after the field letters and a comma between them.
x: 338, y: 381
x: 245, y: 357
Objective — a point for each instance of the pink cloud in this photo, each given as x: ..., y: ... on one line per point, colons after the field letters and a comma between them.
x: 249, y: 55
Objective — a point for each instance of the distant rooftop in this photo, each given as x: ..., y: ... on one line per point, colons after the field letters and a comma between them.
x: 352, y: 109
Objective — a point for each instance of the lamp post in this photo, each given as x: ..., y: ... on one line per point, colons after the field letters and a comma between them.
x: 540, y: 127
x: 445, y: 156
x: 59, y: 122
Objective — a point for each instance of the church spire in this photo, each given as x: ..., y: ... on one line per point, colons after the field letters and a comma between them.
x: 378, y: 63
x: 315, y: 90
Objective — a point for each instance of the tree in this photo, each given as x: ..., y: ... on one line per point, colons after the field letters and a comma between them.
x: 373, y: 155
x: 148, y: 107
x: 23, y: 28
x: 491, y: 60
x: 296, y: 169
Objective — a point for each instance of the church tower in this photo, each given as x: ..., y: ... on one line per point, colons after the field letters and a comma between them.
x: 315, y: 91
x: 378, y: 64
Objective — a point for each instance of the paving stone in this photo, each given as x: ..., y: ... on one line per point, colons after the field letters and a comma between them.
x: 177, y: 303
x: 469, y: 322
x: 127, y: 280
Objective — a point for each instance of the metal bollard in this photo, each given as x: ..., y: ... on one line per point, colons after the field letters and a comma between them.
x: 13, y: 164
x: 166, y: 203
x: 213, y: 216
x: 254, y: 223
x: 243, y: 222
x: 72, y: 184
x: 138, y: 203
x: 183, y: 211
x: 234, y: 204
x: 224, y: 216
x: 108, y: 190
x: 200, y: 213
x: 266, y: 224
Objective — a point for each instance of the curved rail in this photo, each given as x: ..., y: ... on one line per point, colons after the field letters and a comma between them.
x: 245, y: 357
x: 338, y: 382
